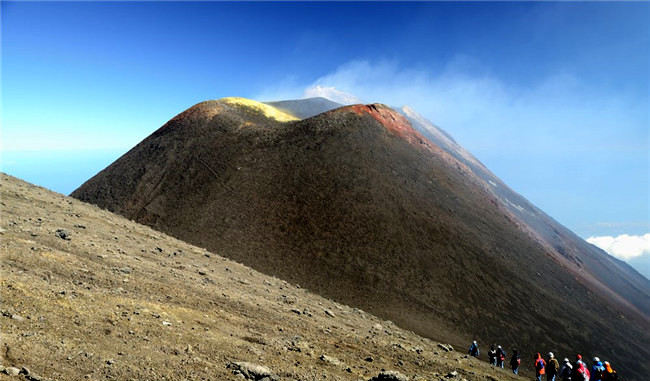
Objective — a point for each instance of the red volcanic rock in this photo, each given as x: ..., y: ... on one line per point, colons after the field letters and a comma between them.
x: 393, y: 121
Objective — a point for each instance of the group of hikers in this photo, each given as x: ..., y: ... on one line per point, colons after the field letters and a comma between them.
x: 578, y: 371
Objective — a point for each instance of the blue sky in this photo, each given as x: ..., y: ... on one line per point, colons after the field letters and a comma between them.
x: 553, y: 97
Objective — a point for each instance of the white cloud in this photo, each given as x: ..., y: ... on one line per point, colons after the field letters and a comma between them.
x: 624, y: 246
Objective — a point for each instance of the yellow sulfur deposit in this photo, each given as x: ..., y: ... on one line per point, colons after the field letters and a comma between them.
x: 268, y: 111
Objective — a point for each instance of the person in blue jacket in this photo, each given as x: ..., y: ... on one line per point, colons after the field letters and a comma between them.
x: 473, y: 349
x: 597, y: 370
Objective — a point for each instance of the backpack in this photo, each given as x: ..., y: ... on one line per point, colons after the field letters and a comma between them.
x: 515, y: 361
x: 539, y: 364
x: 554, y: 366
x: 581, y: 372
x: 566, y: 372
x: 598, y: 372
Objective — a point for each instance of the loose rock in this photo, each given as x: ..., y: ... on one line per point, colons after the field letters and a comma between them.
x: 331, y: 360
x: 63, y: 234
x: 11, y: 371
x: 446, y: 347
x: 389, y: 375
x: 251, y: 371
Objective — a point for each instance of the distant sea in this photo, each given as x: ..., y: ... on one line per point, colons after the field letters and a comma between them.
x: 62, y: 171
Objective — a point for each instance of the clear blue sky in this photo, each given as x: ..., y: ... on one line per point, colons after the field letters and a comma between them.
x: 553, y: 97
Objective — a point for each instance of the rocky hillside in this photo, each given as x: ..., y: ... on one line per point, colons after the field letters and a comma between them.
x: 87, y: 294
x: 358, y: 206
x: 623, y: 286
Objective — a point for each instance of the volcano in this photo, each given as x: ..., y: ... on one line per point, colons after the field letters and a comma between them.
x: 380, y: 209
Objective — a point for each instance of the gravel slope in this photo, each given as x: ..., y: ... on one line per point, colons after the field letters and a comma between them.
x: 86, y: 294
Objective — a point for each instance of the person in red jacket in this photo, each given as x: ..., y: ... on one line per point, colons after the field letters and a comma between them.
x: 540, y: 365
x: 580, y: 371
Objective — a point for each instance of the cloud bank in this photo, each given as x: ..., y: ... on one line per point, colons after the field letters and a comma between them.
x: 624, y: 246
x: 633, y: 249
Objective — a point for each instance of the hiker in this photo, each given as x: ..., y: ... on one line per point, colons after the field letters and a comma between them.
x: 501, y: 356
x: 540, y: 364
x: 566, y: 370
x: 515, y: 361
x: 492, y: 355
x: 473, y: 349
x: 597, y: 370
x: 580, y: 371
x: 610, y: 374
x: 552, y: 367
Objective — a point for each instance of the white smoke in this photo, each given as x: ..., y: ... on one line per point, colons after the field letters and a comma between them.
x: 332, y: 94
x: 483, y: 111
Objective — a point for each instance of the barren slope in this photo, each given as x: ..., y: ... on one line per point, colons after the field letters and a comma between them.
x: 358, y: 206
x: 624, y: 286
x: 118, y: 300
x: 621, y: 284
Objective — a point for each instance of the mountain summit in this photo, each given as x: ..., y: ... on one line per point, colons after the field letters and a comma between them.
x: 381, y: 210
